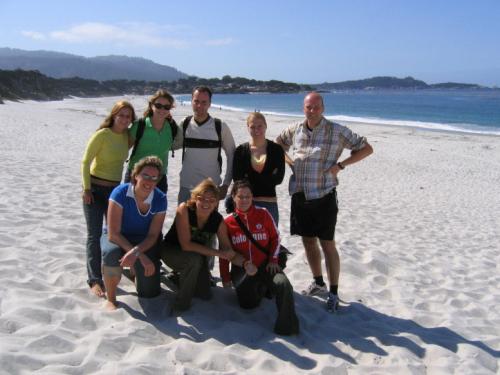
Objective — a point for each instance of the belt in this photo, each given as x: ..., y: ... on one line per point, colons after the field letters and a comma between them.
x: 101, y: 182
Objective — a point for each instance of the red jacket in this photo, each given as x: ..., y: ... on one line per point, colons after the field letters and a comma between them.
x: 261, y: 224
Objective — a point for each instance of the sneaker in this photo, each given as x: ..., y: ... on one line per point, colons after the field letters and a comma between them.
x: 314, y: 289
x: 332, y: 303
x: 174, y: 278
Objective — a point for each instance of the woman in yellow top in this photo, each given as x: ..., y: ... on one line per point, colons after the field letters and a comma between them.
x: 102, y: 167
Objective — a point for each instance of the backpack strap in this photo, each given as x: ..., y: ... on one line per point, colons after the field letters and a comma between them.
x: 203, y: 143
x: 218, y: 129
x: 138, y: 135
x: 173, y: 131
x: 185, y: 125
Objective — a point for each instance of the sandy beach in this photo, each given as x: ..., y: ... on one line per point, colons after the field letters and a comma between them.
x: 417, y: 235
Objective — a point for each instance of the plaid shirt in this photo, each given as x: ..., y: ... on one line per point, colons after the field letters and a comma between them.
x: 314, y: 153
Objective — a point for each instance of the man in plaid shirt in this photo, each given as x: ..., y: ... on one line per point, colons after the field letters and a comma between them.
x: 315, y: 146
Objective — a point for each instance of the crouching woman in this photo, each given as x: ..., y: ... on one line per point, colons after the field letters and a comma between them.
x: 253, y: 234
x: 135, y: 218
x: 187, y: 245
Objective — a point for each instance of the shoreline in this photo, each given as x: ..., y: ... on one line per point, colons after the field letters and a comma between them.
x: 414, y: 124
x: 342, y: 119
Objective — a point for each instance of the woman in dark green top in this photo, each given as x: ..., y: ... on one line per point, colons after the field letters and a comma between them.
x: 187, y: 244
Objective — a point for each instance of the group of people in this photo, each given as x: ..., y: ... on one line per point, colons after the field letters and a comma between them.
x: 247, y: 241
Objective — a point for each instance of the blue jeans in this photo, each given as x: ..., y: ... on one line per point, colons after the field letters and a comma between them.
x: 147, y: 286
x: 272, y: 207
x: 94, y: 215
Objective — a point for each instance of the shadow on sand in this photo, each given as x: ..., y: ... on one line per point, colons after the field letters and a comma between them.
x: 355, y: 326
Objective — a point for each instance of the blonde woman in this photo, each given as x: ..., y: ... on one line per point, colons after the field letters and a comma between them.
x: 262, y: 163
x: 101, y: 170
x: 187, y: 245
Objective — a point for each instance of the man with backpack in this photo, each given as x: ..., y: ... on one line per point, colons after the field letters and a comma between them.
x: 202, y: 137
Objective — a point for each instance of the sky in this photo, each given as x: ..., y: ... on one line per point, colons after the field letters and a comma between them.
x: 295, y: 41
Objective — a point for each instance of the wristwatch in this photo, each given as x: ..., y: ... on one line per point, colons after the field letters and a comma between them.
x: 340, y: 165
x: 136, y: 251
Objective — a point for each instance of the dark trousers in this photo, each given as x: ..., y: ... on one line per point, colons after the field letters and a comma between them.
x: 252, y: 289
x: 194, y: 276
x: 94, y: 215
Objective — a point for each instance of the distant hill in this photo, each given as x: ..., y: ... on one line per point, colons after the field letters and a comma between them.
x: 377, y: 83
x: 101, y: 68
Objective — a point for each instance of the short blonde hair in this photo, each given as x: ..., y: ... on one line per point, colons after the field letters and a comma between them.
x: 205, y: 186
x: 256, y: 115
x: 148, y: 161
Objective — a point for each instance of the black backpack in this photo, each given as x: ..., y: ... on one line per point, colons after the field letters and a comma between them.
x: 202, y: 143
x: 140, y: 132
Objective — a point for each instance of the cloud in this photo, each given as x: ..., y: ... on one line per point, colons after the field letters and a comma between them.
x: 34, y: 35
x: 131, y: 33
x: 219, y: 42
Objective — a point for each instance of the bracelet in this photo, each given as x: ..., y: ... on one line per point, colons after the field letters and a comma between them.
x: 135, y: 251
x: 340, y: 165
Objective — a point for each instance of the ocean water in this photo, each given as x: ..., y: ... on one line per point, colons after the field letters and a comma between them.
x: 474, y: 111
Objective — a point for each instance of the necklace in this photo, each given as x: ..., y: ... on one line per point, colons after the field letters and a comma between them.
x: 259, y: 159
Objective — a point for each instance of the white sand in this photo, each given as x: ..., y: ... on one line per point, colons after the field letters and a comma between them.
x: 417, y: 233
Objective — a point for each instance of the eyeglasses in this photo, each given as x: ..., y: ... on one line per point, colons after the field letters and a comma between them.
x: 166, y: 107
x: 211, y: 200
x: 148, y: 177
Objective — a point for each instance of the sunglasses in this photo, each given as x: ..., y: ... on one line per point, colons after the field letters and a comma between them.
x: 166, y: 107
x: 148, y: 177
x: 208, y: 200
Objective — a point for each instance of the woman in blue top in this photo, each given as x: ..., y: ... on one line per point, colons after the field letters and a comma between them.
x: 135, y: 218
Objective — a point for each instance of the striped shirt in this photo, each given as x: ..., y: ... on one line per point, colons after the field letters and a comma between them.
x: 314, y: 153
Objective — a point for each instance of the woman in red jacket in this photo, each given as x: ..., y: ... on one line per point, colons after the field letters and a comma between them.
x: 261, y: 255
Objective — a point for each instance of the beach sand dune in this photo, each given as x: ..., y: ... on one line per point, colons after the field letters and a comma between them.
x: 417, y: 234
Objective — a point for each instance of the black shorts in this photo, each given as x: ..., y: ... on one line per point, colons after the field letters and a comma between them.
x: 315, y: 217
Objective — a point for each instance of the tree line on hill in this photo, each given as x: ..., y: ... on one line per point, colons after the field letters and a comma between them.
x: 20, y: 84
x: 377, y: 83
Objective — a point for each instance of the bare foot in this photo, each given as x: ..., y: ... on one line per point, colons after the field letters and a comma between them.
x: 97, y: 290
x: 111, y: 306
